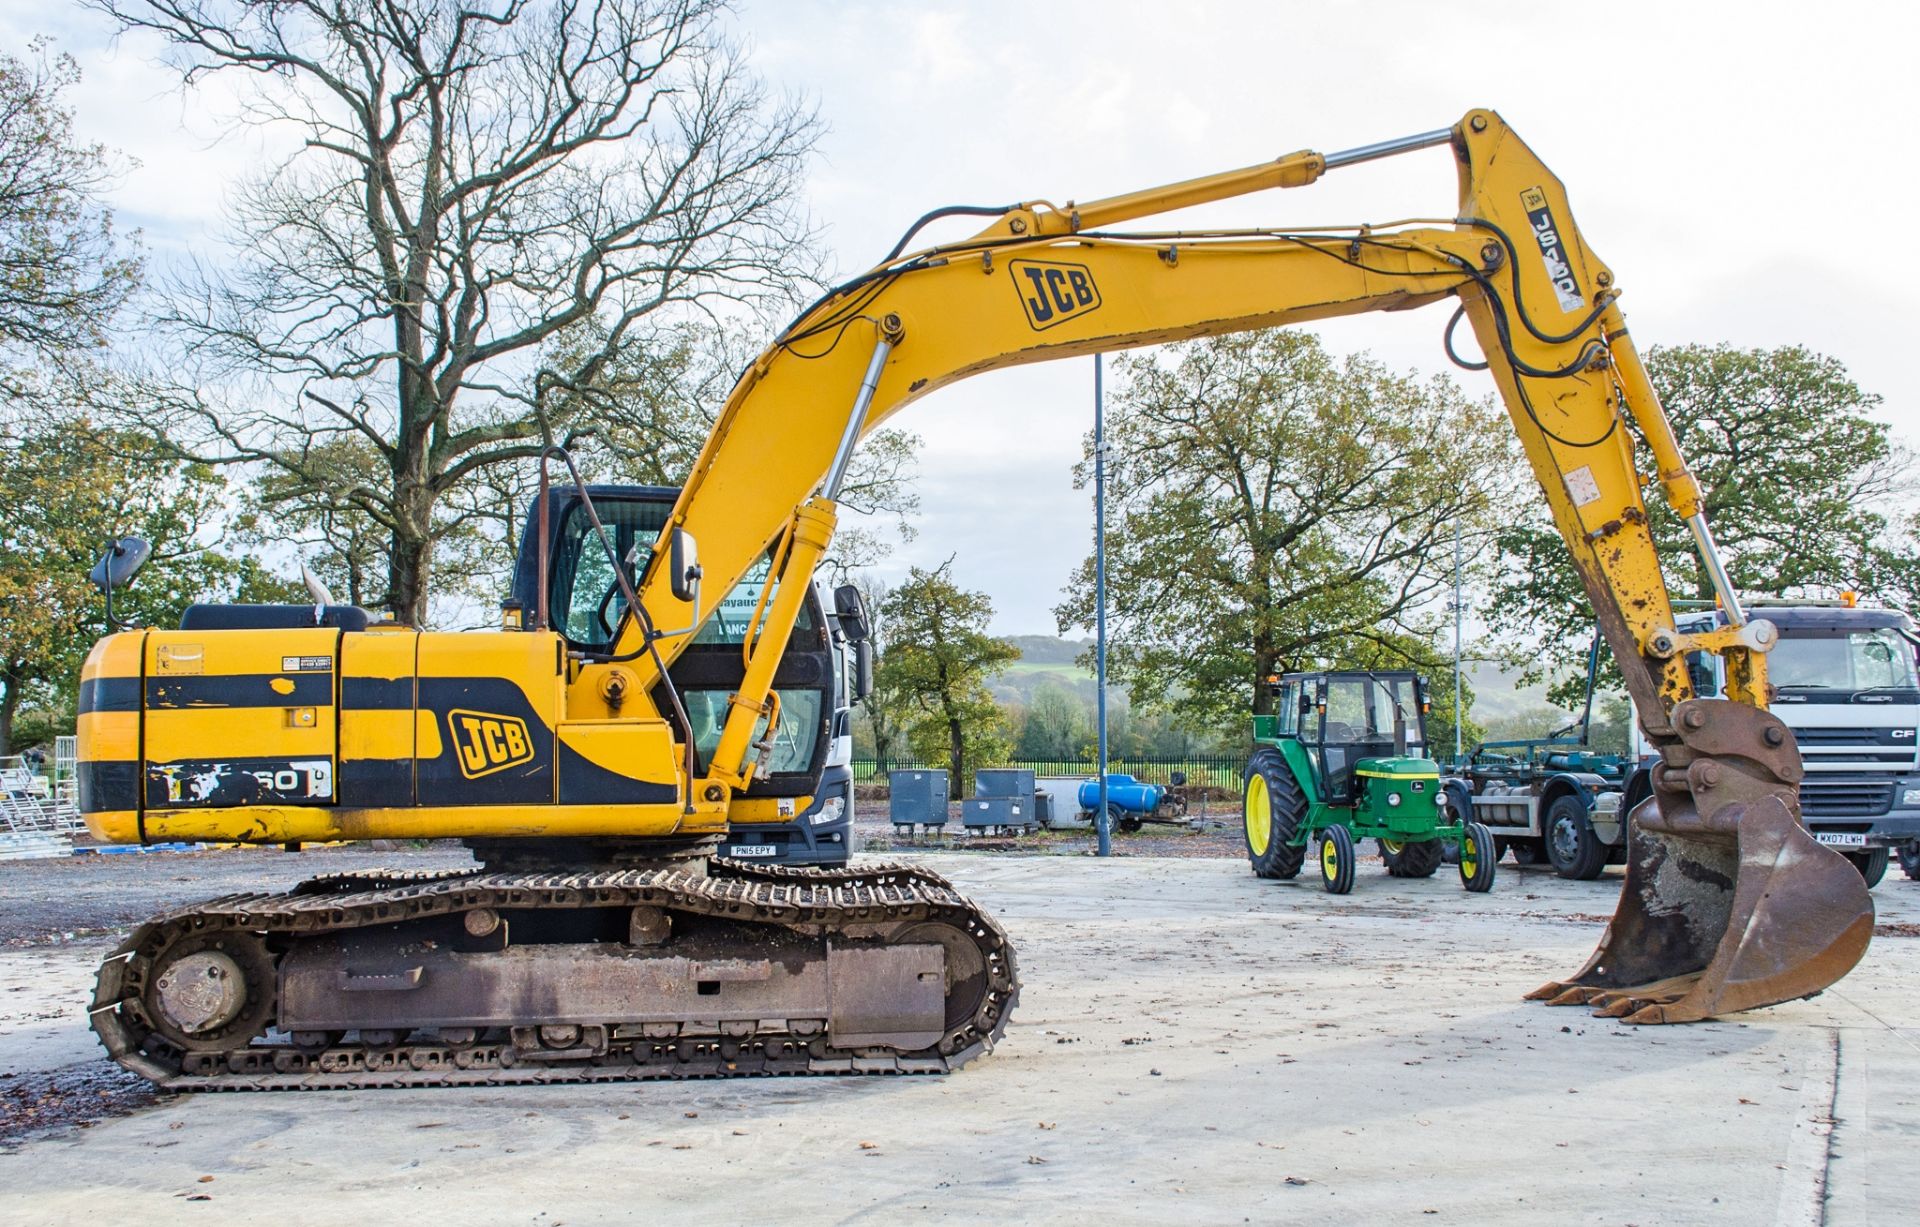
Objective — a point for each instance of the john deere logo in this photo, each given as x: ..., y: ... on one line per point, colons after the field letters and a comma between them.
x: 487, y: 743
x: 1052, y: 293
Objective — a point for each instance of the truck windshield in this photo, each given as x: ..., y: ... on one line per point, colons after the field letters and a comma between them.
x: 1841, y: 660
x: 728, y: 623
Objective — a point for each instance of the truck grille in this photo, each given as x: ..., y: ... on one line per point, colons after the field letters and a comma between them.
x: 1835, y: 737
x: 1845, y: 798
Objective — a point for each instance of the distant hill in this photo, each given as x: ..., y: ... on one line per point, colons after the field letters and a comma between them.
x: 1047, y: 660
x: 1048, y: 649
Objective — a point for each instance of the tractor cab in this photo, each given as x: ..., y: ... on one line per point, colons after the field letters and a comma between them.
x: 1354, y: 727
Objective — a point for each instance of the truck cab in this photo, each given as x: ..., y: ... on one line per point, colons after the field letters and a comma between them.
x: 1844, y: 680
x: 816, y: 681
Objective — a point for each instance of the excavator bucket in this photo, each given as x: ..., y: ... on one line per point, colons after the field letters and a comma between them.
x: 1729, y: 904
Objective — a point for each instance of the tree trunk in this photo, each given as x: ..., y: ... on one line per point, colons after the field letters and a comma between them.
x: 957, y: 754
x: 1263, y: 662
x: 9, y: 703
x: 411, y: 558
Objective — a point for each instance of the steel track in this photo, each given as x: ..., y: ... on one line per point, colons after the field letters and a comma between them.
x: 816, y: 900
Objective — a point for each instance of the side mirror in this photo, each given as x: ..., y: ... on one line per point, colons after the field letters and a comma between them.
x: 850, y: 610
x: 120, y: 563
x: 862, y: 669
x: 1306, y: 704
x: 683, y: 566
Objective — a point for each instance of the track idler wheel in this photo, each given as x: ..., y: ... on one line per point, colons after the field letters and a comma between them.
x: 1729, y: 904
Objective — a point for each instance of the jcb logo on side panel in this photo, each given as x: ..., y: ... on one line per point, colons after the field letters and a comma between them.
x: 485, y: 743
x: 1052, y: 293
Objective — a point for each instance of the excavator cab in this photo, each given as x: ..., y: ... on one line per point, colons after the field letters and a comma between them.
x: 586, y: 605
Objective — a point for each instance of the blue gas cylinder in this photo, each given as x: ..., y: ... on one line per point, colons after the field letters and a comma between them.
x: 1123, y: 792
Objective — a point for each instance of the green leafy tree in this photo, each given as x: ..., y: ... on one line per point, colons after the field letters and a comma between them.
x: 1795, y: 470
x: 70, y: 490
x: 1055, y: 724
x: 1272, y: 509
x: 888, y: 710
x: 939, y: 657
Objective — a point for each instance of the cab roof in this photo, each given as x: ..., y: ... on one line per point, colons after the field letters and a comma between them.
x: 1816, y: 618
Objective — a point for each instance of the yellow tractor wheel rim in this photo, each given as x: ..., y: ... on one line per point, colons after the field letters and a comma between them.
x: 1259, y: 815
x: 1329, y: 860
x: 1392, y: 845
x: 1469, y: 859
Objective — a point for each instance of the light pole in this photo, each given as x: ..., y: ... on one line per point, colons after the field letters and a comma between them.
x: 1100, y: 825
x: 1456, y: 644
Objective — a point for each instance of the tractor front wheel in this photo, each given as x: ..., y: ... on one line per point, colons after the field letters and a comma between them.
x: 1336, y: 860
x: 1273, y: 808
x: 1477, y: 858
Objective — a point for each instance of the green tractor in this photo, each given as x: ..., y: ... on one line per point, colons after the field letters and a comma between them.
x: 1343, y: 758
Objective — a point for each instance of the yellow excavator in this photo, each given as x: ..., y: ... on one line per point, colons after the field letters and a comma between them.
x: 597, y: 937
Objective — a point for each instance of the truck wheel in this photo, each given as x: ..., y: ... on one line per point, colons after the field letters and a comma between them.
x: 1336, y: 860
x: 1571, y: 844
x: 1272, y: 808
x: 1420, y: 860
x: 1872, y: 865
x: 1910, y: 859
x: 1477, y: 859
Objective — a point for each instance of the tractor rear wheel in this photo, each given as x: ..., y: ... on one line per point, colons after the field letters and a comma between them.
x: 1273, y: 807
x: 1417, y: 860
x: 1336, y: 860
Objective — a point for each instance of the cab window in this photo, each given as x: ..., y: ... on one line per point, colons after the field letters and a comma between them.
x: 585, y: 596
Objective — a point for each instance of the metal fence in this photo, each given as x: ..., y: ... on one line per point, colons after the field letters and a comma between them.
x: 1212, y: 770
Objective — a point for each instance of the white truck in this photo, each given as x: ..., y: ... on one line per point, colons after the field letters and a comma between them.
x: 1845, y: 682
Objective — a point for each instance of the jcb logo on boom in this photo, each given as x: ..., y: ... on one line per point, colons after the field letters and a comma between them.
x: 1052, y: 293
x: 486, y: 743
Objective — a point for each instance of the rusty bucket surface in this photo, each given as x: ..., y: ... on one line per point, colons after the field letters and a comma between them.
x: 1729, y: 904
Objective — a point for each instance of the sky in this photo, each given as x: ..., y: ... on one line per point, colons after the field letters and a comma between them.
x: 1737, y: 164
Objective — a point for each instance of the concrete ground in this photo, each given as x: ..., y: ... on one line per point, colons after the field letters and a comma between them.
x: 1192, y: 1044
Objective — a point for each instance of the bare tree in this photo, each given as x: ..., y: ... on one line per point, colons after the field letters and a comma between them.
x: 63, y: 273
x: 494, y: 202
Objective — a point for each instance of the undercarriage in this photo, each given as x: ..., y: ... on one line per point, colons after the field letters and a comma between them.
x: 696, y: 969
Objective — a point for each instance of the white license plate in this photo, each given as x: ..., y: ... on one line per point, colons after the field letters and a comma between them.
x: 753, y: 850
x: 1841, y: 839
